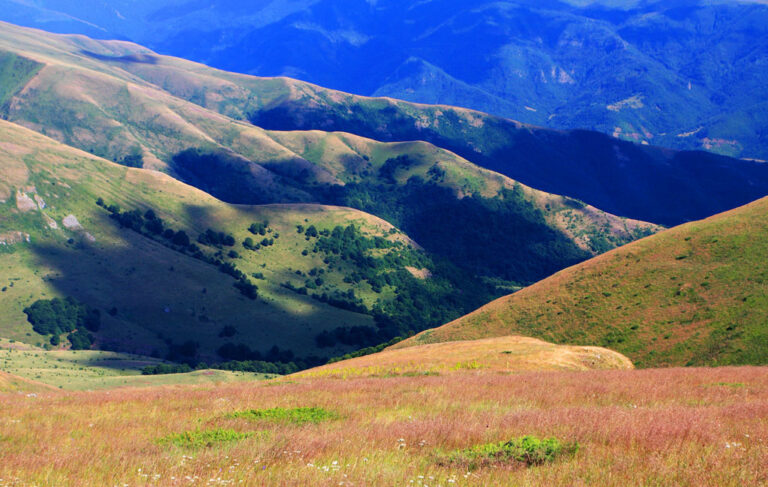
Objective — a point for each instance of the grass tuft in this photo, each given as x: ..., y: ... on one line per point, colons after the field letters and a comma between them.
x: 204, y: 438
x: 287, y: 415
x: 527, y: 450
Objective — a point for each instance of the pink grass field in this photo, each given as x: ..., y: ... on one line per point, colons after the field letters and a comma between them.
x: 701, y: 427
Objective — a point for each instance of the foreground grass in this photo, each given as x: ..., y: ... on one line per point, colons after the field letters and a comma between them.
x: 633, y: 427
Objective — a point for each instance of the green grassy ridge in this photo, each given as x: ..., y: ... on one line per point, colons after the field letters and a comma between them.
x: 98, y: 261
x: 654, y: 71
x: 157, y: 106
x: 691, y: 295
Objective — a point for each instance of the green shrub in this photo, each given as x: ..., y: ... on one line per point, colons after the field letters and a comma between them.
x: 287, y: 415
x: 528, y: 450
x: 204, y: 438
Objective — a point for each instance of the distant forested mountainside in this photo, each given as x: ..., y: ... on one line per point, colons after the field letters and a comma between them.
x: 688, y: 74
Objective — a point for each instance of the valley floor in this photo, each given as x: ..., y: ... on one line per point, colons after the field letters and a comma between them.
x: 693, y: 426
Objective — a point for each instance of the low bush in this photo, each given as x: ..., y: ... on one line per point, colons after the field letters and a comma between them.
x: 204, y: 438
x: 527, y: 450
x: 287, y: 415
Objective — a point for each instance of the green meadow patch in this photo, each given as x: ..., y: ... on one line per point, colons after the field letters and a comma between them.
x: 527, y: 450
x: 204, y: 438
x: 287, y: 415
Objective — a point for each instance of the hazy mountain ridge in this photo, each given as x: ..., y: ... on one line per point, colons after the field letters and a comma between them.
x: 644, y: 71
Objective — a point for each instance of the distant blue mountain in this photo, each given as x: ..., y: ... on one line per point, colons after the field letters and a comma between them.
x: 689, y: 74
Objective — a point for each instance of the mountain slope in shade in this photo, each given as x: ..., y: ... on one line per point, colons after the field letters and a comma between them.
x: 696, y: 294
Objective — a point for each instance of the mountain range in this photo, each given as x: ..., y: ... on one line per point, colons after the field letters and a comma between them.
x: 686, y: 74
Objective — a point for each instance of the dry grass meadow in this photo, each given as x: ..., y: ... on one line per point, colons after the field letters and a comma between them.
x: 696, y: 426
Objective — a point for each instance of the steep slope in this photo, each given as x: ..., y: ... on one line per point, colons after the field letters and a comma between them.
x: 122, y: 102
x: 503, y: 354
x: 692, y: 295
x: 647, y: 71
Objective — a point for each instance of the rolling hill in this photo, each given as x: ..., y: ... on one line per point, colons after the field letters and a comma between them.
x: 153, y: 294
x: 136, y: 112
x: 684, y: 73
x: 510, y: 354
x: 691, y: 295
x: 123, y: 102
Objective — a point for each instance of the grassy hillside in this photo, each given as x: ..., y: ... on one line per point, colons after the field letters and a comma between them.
x: 691, y: 295
x: 91, y: 370
x: 632, y: 180
x: 13, y: 383
x: 649, y: 427
x: 55, y: 241
x: 502, y: 354
x: 122, y: 102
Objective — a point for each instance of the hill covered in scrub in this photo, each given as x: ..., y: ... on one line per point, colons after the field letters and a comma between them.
x: 683, y: 73
x: 691, y: 295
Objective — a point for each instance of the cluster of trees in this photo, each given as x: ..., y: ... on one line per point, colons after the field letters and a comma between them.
x: 166, y: 369
x: 56, y: 316
x: 237, y: 357
x: 343, y: 300
x: 241, y: 351
x: 505, y: 236
x: 216, y: 239
x: 390, y: 167
x: 359, y: 336
x: 249, y: 244
x: 150, y: 225
x: 259, y: 228
x: 350, y: 245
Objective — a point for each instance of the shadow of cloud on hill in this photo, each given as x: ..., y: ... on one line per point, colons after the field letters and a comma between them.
x: 151, y: 298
